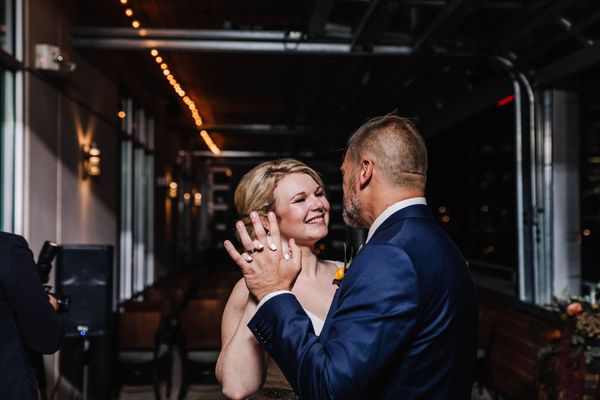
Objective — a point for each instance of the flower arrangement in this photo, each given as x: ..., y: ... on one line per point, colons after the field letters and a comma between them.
x: 570, y: 361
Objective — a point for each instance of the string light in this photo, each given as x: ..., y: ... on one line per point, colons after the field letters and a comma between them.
x: 176, y: 86
x: 211, y: 145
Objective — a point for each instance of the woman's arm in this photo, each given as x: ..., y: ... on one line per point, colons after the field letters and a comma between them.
x: 241, y: 366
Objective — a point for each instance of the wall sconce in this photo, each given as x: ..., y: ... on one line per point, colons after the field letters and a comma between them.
x: 197, y: 199
x: 173, y: 189
x: 91, y: 160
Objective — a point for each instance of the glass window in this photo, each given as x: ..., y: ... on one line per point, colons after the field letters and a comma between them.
x: 471, y: 189
x: 590, y: 174
x: 7, y: 37
x: 11, y: 141
x: 137, y: 201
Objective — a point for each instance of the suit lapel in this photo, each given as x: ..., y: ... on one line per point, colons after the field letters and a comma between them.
x: 415, y: 211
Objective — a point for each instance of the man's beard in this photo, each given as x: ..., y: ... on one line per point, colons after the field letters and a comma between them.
x: 352, y: 207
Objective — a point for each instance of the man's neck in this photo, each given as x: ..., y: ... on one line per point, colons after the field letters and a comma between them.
x: 382, y: 199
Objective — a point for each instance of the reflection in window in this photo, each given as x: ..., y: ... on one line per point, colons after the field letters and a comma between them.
x: 471, y: 188
x: 590, y: 175
x: 6, y: 26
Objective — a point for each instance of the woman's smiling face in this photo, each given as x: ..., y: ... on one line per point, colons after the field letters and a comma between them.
x: 302, y: 209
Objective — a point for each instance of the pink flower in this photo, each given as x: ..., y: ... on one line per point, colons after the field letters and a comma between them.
x: 574, y: 309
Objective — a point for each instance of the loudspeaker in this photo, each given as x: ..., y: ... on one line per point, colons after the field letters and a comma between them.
x: 85, y: 272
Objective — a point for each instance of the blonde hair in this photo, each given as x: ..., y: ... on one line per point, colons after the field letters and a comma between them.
x: 255, y: 191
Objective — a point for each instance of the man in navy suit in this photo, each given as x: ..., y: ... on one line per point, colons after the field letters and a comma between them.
x: 403, y: 323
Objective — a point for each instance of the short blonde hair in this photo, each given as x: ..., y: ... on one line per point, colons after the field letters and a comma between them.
x: 255, y: 191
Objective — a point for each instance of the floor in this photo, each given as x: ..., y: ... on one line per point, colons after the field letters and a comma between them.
x: 210, y: 391
x: 213, y: 392
x: 196, y: 392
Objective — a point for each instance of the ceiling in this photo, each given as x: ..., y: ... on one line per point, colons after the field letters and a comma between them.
x: 294, y: 76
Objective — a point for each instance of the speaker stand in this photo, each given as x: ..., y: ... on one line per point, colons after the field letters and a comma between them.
x: 86, y: 362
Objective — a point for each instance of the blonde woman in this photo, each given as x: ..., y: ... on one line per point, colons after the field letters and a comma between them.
x: 295, y: 193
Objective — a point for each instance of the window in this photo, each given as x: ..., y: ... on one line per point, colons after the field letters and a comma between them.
x: 590, y: 175
x: 11, y: 111
x: 136, y: 250
x: 471, y: 189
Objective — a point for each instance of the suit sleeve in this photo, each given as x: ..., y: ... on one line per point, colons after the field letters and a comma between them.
x: 40, y: 326
x: 374, y: 320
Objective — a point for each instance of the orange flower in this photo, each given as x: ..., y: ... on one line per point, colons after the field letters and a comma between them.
x: 574, y: 309
x: 339, y: 273
x: 552, y: 335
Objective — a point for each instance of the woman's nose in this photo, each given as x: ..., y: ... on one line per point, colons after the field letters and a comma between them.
x: 316, y: 203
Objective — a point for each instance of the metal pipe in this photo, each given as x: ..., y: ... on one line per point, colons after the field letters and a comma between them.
x: 185, y: 34
x: 527, y: 281
x: 237, y: 46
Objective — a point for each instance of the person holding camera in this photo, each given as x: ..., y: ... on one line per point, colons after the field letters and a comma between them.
x: 29, y: 322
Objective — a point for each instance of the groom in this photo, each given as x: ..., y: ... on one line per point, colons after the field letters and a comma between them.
x: 403, y: 323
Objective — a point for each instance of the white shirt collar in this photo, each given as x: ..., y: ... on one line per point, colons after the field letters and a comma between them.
x: 391, y: 210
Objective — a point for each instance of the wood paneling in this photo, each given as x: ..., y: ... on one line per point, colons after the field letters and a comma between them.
x: 516, y: 333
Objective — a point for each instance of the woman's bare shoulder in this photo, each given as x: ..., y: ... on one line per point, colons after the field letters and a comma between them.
x: 239, y: 294
x: 334, y: 264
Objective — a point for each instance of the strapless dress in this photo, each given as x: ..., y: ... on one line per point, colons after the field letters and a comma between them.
x: 276, y: 385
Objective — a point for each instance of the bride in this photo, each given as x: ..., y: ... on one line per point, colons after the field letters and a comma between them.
x: 296, y: 194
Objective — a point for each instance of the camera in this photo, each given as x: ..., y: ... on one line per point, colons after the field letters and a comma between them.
x: 44, y: 265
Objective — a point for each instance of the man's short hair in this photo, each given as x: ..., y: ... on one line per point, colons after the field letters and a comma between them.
x: 396, y: 145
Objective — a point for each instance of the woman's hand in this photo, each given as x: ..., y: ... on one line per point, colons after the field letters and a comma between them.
x: 265, y: 266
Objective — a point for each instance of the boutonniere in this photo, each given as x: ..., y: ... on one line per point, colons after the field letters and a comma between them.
x: 341, y: 271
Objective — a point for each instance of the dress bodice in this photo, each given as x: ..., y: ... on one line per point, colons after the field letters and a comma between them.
x: 276, y: 385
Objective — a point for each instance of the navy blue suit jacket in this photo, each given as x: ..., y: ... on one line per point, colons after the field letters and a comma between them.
x: 28, y: 323
x: 402, y: 325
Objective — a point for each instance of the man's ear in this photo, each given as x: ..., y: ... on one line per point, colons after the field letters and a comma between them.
x: 366, y: 172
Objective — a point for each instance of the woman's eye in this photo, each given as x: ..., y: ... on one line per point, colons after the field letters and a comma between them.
x: 300, y: 200
x: 320, y: 194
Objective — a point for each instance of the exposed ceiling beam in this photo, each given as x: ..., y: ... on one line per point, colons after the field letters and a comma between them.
x: 260, y: 129
x: 378, y: 16
x: 544, y: 15
x: 563, y: 36
x: 321, y: 11
x: 513, y: 26
x: 485, y: 95
x: 440, y: 19
x: 504, y: 5
x: 574, y: 62
x: 458, y: 18
x: 190, y: 34
x: 248, y: 154
x: 218, y: 41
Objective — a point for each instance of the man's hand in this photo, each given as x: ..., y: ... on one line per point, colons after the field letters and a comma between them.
x: 265, y: 266
x: 53, y: 302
